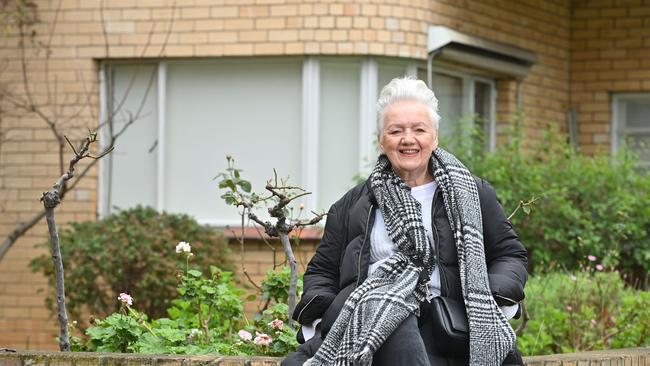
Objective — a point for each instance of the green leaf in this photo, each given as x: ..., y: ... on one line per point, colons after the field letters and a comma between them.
x: 194, y: 273
x: 245, y: 185
x: 208, y: 289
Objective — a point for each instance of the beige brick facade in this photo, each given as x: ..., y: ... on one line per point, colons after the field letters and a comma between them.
x: 610, y: 53
x: 585, y: 50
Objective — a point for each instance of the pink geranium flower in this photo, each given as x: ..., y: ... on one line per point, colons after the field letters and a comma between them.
x: 126, y: 299
x: 599, y: 267
x: 276, y: 324
x: 244, y: 335
x: 592, y: 258
x: 262, y: 339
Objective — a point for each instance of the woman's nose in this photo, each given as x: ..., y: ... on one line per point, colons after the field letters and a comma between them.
x: 408, y: 136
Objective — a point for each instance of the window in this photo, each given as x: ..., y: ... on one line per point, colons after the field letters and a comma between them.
x: 466, y: 105
x: 311, y: 119
x: 338, y: 132
x: 631, y: 124
x: 133, y: 164
x: 467, y: 101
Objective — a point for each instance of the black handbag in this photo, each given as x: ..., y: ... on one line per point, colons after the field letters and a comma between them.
x: 450, y: 326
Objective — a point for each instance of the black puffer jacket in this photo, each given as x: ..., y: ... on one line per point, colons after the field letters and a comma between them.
x: 342, y: 259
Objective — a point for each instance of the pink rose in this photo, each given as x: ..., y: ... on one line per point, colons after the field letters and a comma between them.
x: 244, y: 335
x: 591, y: 258
x: 262, y: 339
x: 276, y: 324
x: 599, y: 267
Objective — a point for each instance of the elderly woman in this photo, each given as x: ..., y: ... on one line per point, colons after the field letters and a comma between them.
x: 398, y: 251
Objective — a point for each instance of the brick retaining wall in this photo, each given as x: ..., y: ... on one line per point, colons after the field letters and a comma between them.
x: 621, y: 357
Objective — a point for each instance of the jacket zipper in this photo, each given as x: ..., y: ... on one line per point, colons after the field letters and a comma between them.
x: 437, y: 247
x: 305, y: 307
x: 363, y: 244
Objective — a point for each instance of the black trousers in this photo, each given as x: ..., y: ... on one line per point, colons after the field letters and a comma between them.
x: 411, y: 344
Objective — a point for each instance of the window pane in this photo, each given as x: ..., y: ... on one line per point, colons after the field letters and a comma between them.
x: 339, y: 130
x: 483, y: 110
x: 133, y: 163
x: 250, y: 109
x: 449, y: 91
x: 387, y: 72
x: 638, y: 113
x: 640, y: 144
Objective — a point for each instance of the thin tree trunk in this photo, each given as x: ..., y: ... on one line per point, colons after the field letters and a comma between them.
x: 50, y: 201
x: 293, y: 283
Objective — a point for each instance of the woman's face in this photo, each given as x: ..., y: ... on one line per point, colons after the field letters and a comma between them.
x: 408, y: 139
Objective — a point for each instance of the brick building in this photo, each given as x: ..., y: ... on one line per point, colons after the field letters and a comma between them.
x: 208, y: 78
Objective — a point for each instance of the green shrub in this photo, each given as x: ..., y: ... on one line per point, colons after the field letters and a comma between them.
x: 202, y: 321
x: 587, y: 204
x: 132, y: 251
x: 634, y: 320
x: 276, y: 286
x: 588, y: 310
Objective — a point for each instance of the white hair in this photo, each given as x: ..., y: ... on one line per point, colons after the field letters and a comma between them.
x: 407, y: 88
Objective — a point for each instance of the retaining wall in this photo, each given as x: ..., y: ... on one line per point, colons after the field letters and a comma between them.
x: 621, y: 357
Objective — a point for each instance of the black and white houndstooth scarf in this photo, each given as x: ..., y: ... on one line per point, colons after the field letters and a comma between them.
x: 394, y: 291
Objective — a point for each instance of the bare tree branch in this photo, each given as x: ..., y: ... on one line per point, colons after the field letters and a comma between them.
x: 28, y: 105
x: 525, y: 317
x: 525, y: 205
x: 240, y: 239
x: 51, y: 199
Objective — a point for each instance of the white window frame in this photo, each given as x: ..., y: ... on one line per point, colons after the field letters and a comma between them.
x: 310, y: 126
x: 468, y: 106
x: 103, y: 168
x: 619, y: 115
x: 367, y: 111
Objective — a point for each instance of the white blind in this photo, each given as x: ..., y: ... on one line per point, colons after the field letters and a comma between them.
x: 387, y: 71
x: 339, y: 130
x: 250, y: 109
x: 133, y: 164
x: 449, y: 91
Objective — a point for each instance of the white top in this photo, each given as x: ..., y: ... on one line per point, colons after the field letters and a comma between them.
x: 382, y: 247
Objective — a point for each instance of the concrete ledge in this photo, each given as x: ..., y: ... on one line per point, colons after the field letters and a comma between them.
x: 618, y: 357
x: 622, y: 357
x: 38, y: 358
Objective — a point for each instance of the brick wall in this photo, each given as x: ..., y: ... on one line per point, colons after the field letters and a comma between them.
x: 610, y: 53
x: 67, y: 82
x: 539, y: 26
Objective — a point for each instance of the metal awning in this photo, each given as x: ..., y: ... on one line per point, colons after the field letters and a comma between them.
x: 499, y: 58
